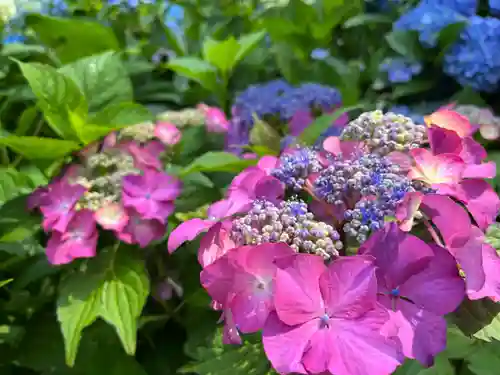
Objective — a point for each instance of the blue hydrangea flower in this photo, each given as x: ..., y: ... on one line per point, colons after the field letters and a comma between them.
x: 400, y: 70
x: 320, y: 54
x: 465, y: 7
x: 428, y: 19
x: 404, y: 110
x: 13, y: 38
x: 474, y: 60
x: 494, y: 6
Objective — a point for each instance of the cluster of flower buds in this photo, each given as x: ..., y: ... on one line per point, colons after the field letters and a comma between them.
x: 212, y: 118
x: 385, y: 132
x: 119, y: 184
x: 290, y: 266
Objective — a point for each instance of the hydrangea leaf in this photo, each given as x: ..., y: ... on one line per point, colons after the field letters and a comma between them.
x: 196, y: 70
x: 16, y: 223
x: 114, y: 287
x: 480, y: 318
x: 485, y: 360
x: 221, y: 54
x: 442, y: 366
x: 263, y: 134
x: 218, y: 161
x: 218, y: 359
x: 71, y: 38
x: 364, y: 19
x: 103, y: 79
x: 406, y: 44
x: 247, y: 43
x: 37, y: 148
x: 449, y: 35
x: 57, y: 95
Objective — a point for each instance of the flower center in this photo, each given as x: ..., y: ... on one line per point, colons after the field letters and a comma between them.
x: 395, y: 293
x: 323, y: 321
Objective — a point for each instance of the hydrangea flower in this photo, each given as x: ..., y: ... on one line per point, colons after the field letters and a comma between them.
x: 428, y: 19
x: 494, y: 6
x: 400, y: 70
x: 348, y: 255
x: 282, y: 106
x: 465, y: 7
x: 118, y: 184
x: 474, y: 59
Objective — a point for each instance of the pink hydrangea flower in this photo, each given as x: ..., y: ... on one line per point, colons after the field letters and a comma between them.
x: 112, y: 217
x: 151, y: 194
x: 141, y: 231
x: 249, y: 292
x: 78, y: 241
x: 328, y: 320
x: 146, y: 156
x: 215, y: 243
x: 215, y: 119
x: 58, y: 205
x: 451, y: 120
x: 436, y: 169
x: 418, y: 284
x: 481, y: 264
x: 167, y: 133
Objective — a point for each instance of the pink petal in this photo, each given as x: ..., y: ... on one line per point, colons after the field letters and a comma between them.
x: 422, y: 333
x: 337, y: 147
x: 484, y: 170
x: 437, y: 288
x: 111, y: 217
x: 349, y: 286
x: 358, y: 347
x: 406, y: 211
x: 217, y: 279
x: 60, y: 251
x: 473, y: 152
x: 187, y: 231
x: 436, y: 169
x: 231, y: 335
x: 319, y: 352
x: 449, y: 217
x: 444, y: 141
x: 250, y: 310
x: 269, y: 188
x: 167, y: 133
x: 297, y: 296
x: 450, y: 120
x: 215, y: 243
x: 285, y: 345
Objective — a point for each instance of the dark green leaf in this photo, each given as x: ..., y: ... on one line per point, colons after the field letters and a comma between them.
x: 40, y: 148
x: 485, y: 360
x: 217, y: 161
x: 58, y: 96
x: 480, y: 318
x: 458, y: 344
x: 16, y: 223
x: 411, y: 88
x: 405, y: 43
x: 102, y: 78
x: 449, y: 35
x: 196, y: 70
x: 72, y: 38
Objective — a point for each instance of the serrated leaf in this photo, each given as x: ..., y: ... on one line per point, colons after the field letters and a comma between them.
x: 196, y: 70
x: 57, y: 95
x: 263, y: 134
x: 36, y: 148
x: 114, y: 287
x: 103, y: 79
x: 71, y: 38
x: 218, y: 161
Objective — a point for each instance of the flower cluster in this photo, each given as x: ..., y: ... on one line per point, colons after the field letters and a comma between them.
x: 118, y: 184
x: 316, y: 249
x: 286, y: 108
x: 489, y: 124
x: 400, y: 70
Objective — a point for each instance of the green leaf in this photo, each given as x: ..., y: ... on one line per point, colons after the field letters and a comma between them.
x: 263, y: 134
x: 57, y: 95
x: 322, y: 123
x: 364, y: 19
x: 221, y: 54
x: 114, y: 287
x: 480, y: 318
x: 196, y: 70
x: 220, y: 359
x: 16, y: 223
x: 5, y: 282
x: 36, y: 148
x: 485, y: 360
x: 406, y: 43
x: 103, y: 79
x: 71, y: 38
x: 114, y: 117
x: 449, y: 35
x: 218, y: 161
x: 247, y: 44
x: 442, y: 366
x: 458, y: 345
x: 12, y: 184
x: 411, y: 88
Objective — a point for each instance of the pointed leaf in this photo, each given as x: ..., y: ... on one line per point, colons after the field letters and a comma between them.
x: 217, y: 161
x: 480, y: 318
x: 263, y: 134
x: 196, y: 70
x: 247, y: 44
x: 221, y: 54
x: 37, y: 148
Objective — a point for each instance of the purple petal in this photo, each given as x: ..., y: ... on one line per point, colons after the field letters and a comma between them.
x: 444, y: 141
x: 215, y: 243
x: 349, y: 286
x: 217, y: 278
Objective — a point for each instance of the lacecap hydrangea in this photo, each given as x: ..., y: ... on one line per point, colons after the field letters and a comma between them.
x: 117, y: 184
x: 334, y: 253
x: 287, y: 109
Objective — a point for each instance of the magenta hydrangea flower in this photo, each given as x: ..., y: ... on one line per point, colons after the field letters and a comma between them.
x: 249, y: 293
x: 328, y: 320
x: 167, y: 133
x: 78, y: 241
x: 151, y: 194
x: 419, y: 284
x: 58, y: 205
x: 112, y: 217
x: 141, y: 231
x: 215, y: 119
x: 215, y: 243
x: 145, y: 156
